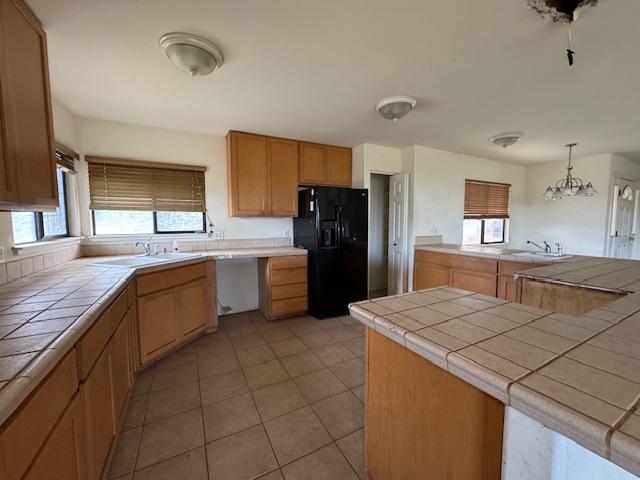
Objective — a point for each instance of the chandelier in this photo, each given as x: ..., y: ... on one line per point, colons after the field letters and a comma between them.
x: 569, y: 185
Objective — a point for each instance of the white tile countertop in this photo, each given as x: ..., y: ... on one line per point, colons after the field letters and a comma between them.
x: 498, y: 253
x: 42, y: 316
x: 580, y: 376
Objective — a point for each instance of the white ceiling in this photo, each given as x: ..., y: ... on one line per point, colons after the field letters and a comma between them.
x: 314, y: 70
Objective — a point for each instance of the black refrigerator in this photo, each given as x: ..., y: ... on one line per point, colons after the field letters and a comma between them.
x: 333, y: 226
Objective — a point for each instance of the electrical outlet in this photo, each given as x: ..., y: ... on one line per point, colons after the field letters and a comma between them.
x: 218, y: 235
x: 287, y: 232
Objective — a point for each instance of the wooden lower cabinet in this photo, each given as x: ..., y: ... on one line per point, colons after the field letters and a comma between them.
x: 157, y: 323
x: 423, y: 422
x: 509, y: 288
x: 430, y: 275
x: 120, y: 370
x: 484, y: 283
x: 192, y: 302
x: 63, y: 455
x: 174, y: 314
x: 282, y: 285
x: 100, y: 426
x: 565, y: 299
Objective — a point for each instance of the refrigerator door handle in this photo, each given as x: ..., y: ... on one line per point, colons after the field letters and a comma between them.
x: 339, y: 228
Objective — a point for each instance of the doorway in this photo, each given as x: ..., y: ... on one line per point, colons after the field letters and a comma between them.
x: 388, y: 223
x: 378, y: 235
x: 624, y: 219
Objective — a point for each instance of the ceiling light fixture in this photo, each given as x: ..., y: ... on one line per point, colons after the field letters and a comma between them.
x: 505, y: 140
x: 394, y: 108
x: 569, y: 186
x: 191, y: 53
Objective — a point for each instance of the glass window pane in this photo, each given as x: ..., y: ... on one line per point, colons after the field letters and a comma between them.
x: 24, y: 227
x: 493, y: 230
x: 180, y: 221
x: 55, y: 223
x: 471, y: 232
x: 109, y: 222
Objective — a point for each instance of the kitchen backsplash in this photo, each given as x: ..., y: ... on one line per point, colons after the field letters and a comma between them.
x: 22, y: 267
x: 128, y: 248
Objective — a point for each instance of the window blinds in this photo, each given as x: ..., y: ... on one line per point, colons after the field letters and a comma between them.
x: 486, y: 199
x: 65, y: 158
x: 116, y: 184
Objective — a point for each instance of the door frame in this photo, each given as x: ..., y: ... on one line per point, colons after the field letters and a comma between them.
x: 617, y: 182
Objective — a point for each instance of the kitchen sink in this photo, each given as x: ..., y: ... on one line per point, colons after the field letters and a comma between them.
x: 144, y: 260
x: 541, y: 254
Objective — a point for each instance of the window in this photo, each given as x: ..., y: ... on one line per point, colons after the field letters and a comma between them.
x: 135, y: 197
x: 113, y: 222
x: 34, y: 226
x: 486, y: 212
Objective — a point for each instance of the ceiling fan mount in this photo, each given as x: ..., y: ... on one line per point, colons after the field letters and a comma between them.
x: 560, y: 10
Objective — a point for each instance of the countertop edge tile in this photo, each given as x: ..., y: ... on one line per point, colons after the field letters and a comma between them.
x: 430, y: 351
x: 490, y: 382
x: 625, y: 452
x: 590, y: 433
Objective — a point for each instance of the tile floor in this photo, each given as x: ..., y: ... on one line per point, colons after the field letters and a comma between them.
x: 256, y: 400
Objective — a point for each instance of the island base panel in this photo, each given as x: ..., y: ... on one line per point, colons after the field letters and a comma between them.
x: 424, y: 423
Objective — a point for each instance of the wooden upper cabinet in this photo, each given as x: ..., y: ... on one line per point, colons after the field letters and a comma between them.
x: 313, y: 164
x: 325, y: 165
x: 282, y: 157
x: 339, y: 166
x: 27, y: 160
x: 247, y: 175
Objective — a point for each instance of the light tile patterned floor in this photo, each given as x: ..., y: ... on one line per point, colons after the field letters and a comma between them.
x: 256, y: 400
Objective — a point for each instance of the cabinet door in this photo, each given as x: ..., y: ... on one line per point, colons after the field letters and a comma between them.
x: 62, y: 457
x: 429, y: 275
x: 508, y: 288
x: 339, y: 166
x: 192, y: 305
x: 486, y: 284
x: 247, y: 175
x: 313, y: 164
x: 26, y: 104
x: 282, y: 158
x: 158, y: 323
x: 99, y: 417
x: 120, y: 372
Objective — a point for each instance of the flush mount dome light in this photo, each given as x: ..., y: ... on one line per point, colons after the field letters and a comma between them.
x: 394, y: 108
x: 191, y: 53
x: 505, y: 140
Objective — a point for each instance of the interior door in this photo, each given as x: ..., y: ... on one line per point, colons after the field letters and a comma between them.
x: 624, y: 220
x: 398, y: 220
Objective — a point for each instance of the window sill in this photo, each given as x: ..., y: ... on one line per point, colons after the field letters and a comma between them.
x: 155, y: 237
x: 26, y: 249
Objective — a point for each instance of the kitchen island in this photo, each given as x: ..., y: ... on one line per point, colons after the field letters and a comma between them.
x: 443, y: 364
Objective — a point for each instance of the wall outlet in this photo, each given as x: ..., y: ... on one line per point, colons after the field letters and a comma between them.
x: 218, y: 235
x: 287, y: 232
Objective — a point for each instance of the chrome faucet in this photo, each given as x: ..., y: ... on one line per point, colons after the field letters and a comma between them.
x: 559, y: 247
x: 145, y: 246
x: 546, y: 248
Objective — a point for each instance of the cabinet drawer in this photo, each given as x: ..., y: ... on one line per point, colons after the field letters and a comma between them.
x: 26, y: 432
x: 294, y: 261
x: 442, y: 259
x: 94, y: 341
x: 156, y: 281
x: 483, y: 283
x: 280, y: 292
x: 474, y: 264
x: 289, y: 275
x: 288, y: 306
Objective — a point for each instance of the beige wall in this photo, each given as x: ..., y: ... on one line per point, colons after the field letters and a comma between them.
x: 113, y: 139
